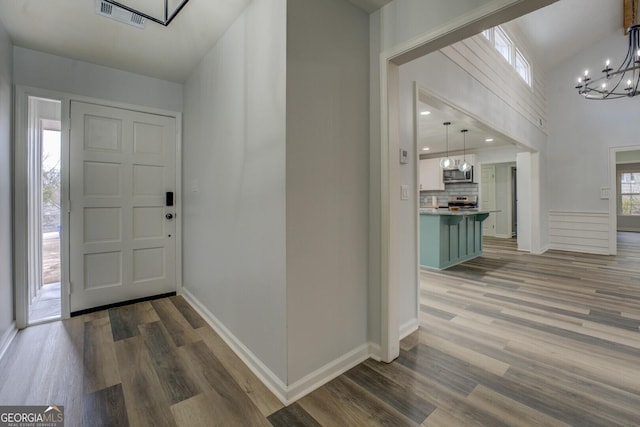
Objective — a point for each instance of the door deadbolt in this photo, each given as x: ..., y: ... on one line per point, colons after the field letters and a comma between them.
x: 169, y: 216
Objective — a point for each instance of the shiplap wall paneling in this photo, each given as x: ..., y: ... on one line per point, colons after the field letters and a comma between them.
x: 586, y: 232
x: 480, y: 59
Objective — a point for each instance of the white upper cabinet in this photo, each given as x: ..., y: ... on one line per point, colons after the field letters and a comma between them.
x: 431, y: 175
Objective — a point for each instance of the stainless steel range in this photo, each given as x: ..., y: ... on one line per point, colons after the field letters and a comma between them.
x: 464, y: 202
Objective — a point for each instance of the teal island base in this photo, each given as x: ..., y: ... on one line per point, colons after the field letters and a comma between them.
x: 449, y: 238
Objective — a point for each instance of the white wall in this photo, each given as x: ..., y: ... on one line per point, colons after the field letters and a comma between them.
x: 6, y: 201
x: 327, y: 182
x: 234, y: 182
x: 582, y: 131
x: 46, y: 71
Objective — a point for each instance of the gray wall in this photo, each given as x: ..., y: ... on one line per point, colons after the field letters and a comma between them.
x: 234, y: 182
x: 327, y: 181
x: 6, y: 202
x: 582, y: 131
x: 46, y: 71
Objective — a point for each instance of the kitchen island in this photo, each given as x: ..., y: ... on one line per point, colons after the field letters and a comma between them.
x: 450, y: 237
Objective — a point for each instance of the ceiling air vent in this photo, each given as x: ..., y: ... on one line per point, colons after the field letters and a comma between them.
x: 116, y: 13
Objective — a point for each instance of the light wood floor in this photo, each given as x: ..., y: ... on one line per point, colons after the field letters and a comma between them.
x: 508, y: 339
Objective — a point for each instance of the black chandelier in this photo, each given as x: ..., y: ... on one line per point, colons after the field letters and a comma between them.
x: 163, y: 16
x: 619, y: 83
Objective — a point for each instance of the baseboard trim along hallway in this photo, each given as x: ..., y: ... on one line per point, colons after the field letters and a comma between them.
x: 286, y: 394
x: 7, y: 338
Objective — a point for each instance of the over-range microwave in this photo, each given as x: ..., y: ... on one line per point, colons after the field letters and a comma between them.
x: 455, y: 175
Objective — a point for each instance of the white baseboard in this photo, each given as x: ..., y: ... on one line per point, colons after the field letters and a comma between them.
x: 287, y: 394
x: 409, y: 327
x: 268, y: 378
x: 326, y: 373
x: 580, y: 249
x: 374, y: 352
x: 541, y: 250
x: 7, y: 338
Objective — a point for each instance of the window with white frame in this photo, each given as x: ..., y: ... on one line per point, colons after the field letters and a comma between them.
x: 629, y: 193
x: 499, y: 39
x: 503, y: 44
x: 522, y: 67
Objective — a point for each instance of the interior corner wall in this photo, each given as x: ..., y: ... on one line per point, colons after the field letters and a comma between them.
x: 327, y: 182
x: 581, y: 131
x: 234, y: 182
x: 57, y: 73
x: 7, y: 311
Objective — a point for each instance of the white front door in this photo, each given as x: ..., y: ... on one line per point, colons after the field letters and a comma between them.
x: 122, y: 245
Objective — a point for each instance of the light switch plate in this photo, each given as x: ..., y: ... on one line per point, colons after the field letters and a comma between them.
x: 404, y: 192
x: 604, y: 193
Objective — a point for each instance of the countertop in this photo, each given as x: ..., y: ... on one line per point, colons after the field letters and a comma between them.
x: 445, y: 211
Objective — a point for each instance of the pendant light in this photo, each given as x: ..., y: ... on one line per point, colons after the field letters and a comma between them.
x: 445, y: 162
x: 464, y: 166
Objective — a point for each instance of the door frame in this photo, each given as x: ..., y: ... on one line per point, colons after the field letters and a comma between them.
x: 613, y: 195
x: 388, y: 66
x: 20, y: 174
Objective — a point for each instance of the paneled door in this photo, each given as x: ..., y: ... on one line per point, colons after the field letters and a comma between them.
x: 122, y: 234
x: 488, y: 198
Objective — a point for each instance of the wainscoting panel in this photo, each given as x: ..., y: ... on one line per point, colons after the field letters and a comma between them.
x: 586, y: 232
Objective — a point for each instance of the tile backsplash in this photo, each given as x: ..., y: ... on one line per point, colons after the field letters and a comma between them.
x: 462, y: 189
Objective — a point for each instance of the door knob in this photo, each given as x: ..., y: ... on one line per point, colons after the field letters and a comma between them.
x: 169, y: 216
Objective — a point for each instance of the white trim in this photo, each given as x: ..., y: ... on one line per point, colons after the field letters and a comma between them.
x: 374, y: 352
x: 20, y: 208
x: 416, y: 207
x: 503, y: 236
x: 326, y: 373
x: 7, y: 339
x: 409, y: 327
x: 287, y: 394
x: 264, y: 374
x: 613, y: 196
x: 178, y: 202
x: 542, y: 250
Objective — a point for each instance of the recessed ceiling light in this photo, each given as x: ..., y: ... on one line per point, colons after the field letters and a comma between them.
x: 425, y: 113
x: 425, y: 149
x: 488, y: 140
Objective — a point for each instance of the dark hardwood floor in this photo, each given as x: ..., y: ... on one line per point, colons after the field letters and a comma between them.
x: 507, y: 339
